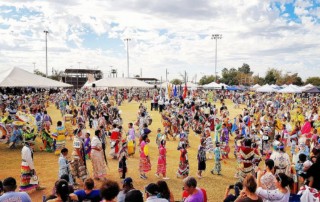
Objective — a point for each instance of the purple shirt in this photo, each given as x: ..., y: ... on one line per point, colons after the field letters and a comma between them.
x: 131, y: 133
x: 197, y: 197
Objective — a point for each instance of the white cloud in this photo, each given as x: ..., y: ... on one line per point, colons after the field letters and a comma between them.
x: 165, y: 34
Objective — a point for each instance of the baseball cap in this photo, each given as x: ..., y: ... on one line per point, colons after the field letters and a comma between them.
x: 128, y: 180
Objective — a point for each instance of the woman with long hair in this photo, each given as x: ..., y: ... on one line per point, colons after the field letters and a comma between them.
x: 144, y: 165
x: 248, y: 192
x: 62, y: 192
x: 183, y: 170
x: 162, y: 162
x: 97, y: 157
x: 164, y: 191
x: 281, y: 194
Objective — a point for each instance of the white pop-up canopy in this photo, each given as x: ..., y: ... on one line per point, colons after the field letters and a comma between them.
x: 191, y: 85
x: 214, y: 85
x: 291, y: 89
x: 119, y: 83
x: 16, y: 77
x: 266, y: 89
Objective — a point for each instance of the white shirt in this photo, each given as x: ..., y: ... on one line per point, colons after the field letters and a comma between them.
x: 156, y: 199
x: 273, y: 195
x: 26, y: 155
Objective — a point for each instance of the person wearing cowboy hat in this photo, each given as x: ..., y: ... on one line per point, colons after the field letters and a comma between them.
x: 27, y: 168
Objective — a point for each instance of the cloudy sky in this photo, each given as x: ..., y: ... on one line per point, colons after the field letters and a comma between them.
x: 165, y: 34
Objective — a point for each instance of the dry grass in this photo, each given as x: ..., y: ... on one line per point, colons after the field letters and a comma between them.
x: 46, y: 164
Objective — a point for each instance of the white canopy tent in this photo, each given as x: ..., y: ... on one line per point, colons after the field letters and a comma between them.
x: 214, y: 85
x: 266, y: 89
x: 291, y: 89
x: 307, y: 87
x: 190, y: 85
x: 17, y: 77
x: 255, y: 87
x: 118, y: 83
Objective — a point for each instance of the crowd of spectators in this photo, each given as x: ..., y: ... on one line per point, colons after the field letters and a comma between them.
x: 109, y: 191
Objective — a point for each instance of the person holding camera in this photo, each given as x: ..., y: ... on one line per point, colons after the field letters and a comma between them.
x: 248, y: 194
x: 232, y: 197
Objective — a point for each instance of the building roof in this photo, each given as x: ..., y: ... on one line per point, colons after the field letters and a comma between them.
x: 83, y: 71
x: 146, y: 79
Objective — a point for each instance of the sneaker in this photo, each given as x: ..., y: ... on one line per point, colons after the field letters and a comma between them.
x: 212, y: 172
x: 165, y: 178
x: 219, y: 174
x: 157, y: 175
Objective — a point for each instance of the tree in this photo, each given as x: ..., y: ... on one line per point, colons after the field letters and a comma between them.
x: 245, y: 69
x: 258, y: 80
x: 313, y: 80
x: 38, y: 72
x: 206, y: 79
x: 137, y: 76
x: 270, y: 77
x: 230, y: 76
x: 56, y: 75
x: 176, y: 82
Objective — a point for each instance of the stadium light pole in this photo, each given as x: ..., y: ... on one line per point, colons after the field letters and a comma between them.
x: 34, y: 66
x: 128, y: 39
x: 46, y: 33
x: 216, y: 37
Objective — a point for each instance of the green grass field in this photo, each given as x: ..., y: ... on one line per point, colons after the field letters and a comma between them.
x: 46, y: 164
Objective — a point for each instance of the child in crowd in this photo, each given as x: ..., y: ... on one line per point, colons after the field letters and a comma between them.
x: 217, y: 159
x: 159, y: 137
x: 122, y: 158
x: 201, y: 158
x: 87, y: 145
x: 131, y: 140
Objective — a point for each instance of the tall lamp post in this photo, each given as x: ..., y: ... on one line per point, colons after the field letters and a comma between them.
x: 34, y: 66
x: 216, y: 37
x: 46, y: 32
x: 128, y: 39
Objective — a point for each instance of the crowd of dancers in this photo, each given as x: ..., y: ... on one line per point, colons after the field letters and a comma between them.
x: 281, y: 128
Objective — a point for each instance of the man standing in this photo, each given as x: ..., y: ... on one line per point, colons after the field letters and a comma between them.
x: 27, y: 168
x: 78, y: 164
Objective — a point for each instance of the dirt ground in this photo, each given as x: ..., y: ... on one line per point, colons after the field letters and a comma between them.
x: 46, y: 164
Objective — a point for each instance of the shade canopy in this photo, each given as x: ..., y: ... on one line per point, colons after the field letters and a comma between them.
x: 214, y: 85
x: 266, y: 89
x: 17, y: 77
x: 291, y: 89
x: 119, y: 83
x: 312, y: 90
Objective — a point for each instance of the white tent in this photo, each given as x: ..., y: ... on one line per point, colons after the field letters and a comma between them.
x: 307, y: 87
x: 255, y: 87
x: 16, y: 77
x: 119, y: 83
x: 266, y: 89
x: 290, y: 89
x: 214, y: 85
x: 191, y: 85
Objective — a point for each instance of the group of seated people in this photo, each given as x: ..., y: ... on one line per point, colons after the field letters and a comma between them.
x: 109, y: 191
x: 271, y: 185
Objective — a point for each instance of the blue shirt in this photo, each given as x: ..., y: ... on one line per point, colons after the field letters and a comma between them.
x: 15, y: 196
x: 94, y: 195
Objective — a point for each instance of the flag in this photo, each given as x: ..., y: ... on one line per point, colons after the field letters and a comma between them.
x: 169, y: 90
x: 175, y: 93
x: 185, y: 91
